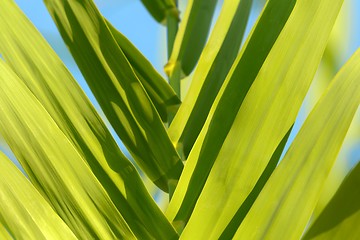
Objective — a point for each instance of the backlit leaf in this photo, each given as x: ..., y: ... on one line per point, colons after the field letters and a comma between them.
x: 284, y: 207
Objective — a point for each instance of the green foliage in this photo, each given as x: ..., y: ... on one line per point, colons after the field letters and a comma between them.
x: 217, y: 153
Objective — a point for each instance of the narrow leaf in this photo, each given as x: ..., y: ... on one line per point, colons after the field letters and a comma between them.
x: 265, y: 116
x: 161, y: 94
x: 53, y: 164
x: 4, y: 233
x: 117, y: 88
x: 340, y: 219
x: 214, y: 64
x: 160, y: 9
x: 45, y: 75
x: 191, y: 36
x: 285, y: 205
x: 24, y: 211
x: 240, y: 214
x: 236, y: 86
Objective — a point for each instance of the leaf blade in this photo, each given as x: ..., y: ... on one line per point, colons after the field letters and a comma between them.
x: 120, y: 94
x: 340, y: 217
x: 214, y: 64
x: 277, y: 96
x: 245, y: 68
x: 162, y: 95
x: 191, y: 37
x: 327, y: 125
x: 159, y: 9
x: 24, y: 210
x: 69, y: 184
x: 44, y: 74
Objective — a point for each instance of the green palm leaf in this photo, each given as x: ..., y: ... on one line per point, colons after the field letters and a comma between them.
x: 162, y: 95
x: 294, y: 188
x: 341, y: 217
x: 231, y: 128
x: 4, y: 233
x: 214, y: 64
x: 24, y: 211
x: 47, y: 78
x: 160, y: 9
x: 191, y: 37
x: 53, y: 164
x: 265, y: 116
x: 117, y: 89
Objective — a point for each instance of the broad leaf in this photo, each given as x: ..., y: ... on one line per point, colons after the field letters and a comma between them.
x: 340, y: 219
x: 117, y: 89
x: 284, y: 207
x: 24, y: 211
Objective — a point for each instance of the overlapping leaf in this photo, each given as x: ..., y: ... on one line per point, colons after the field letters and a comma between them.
x: 265, y: 116
x: 54, y: 165
x: 191, y: 37
x: 160, y: 9
x: 117, y: 88
x: 284, y: 207
x: 161, y: 94
x: 240, y: 214
x: 4, y: 233
x: 214, y: 64
x: 239, y: 79
x: 52, y: 85
x: 340, y: 219
x: 24, y: 211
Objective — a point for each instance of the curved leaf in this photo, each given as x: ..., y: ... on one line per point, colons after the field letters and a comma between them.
x: 162, y: 95
x: 159, y: 9
x: 53, y: 164
x: 265, y: 116
x: 340, y: 218
x: 284, y: 207
x: 4, y: 233
x: 191, y: 37
x: 214, y: 64
x: 44, y: 74
x: 117, y: 88
x: 240, y: 214
x: 223, y: 111
x: 24, y: 211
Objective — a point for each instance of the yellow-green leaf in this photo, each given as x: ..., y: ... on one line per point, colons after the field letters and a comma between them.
x: 162, y: 95
x: 340, y: 218
x: 240, y: 214
x: 24, y: 212
x: 214, y: 64
x: 221, y: 118
x: 191, y: 37
x: 44, y: 74
x: 284, y: 207
x: 4, y: 233
x: 53, y: 164
x: 117, y: 88
x: 265, y: 116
